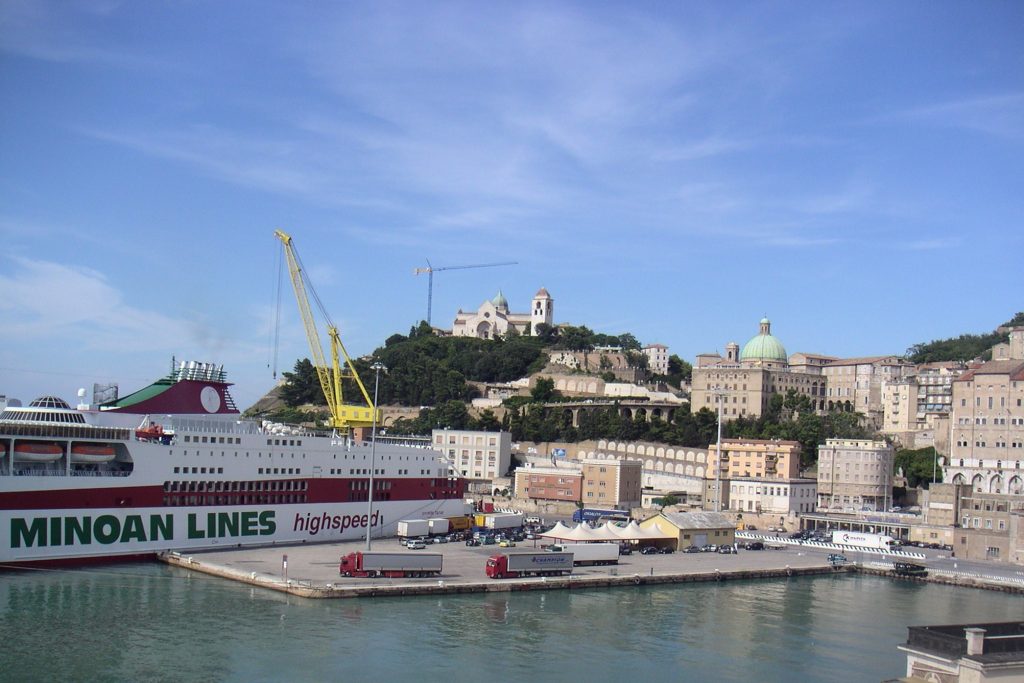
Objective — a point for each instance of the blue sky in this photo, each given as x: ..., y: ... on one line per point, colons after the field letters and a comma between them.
x: 675, y: 170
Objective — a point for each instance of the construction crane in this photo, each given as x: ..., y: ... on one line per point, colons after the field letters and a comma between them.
x: 430, y: 270
x: 343, y: 416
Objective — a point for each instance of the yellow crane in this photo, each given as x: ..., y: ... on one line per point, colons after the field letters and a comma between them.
x: 343, y: 416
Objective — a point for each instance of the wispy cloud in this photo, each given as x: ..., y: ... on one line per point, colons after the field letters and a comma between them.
x: 62, y: 32
x: 930, y: 244
x: 46, y: 300
x: 998, y: 115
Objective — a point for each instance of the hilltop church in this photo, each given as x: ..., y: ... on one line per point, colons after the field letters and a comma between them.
x: 493, y: 319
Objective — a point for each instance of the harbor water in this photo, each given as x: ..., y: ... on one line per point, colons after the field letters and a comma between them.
x: 149, y: 622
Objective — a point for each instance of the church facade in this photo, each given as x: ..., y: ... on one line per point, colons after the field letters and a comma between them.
x: 493, y: 318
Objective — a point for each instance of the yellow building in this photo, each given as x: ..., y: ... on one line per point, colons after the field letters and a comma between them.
x: 763, y: 459
x: 694, y: 528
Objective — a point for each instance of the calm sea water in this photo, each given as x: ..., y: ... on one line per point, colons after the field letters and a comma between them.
x: 148, y: 622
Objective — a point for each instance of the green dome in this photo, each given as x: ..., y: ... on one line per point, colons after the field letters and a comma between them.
x: 764, y: 346
x: 500, y: 301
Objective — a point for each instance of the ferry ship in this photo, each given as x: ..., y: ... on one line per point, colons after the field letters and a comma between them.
x: 175, y: 467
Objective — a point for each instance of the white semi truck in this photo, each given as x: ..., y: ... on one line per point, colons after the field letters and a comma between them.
x: 862, y: 540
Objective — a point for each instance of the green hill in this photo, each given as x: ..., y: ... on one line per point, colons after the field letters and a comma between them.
x: 962, y: 348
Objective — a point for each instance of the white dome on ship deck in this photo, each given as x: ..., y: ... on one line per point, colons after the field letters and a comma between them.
x: 50, y: 402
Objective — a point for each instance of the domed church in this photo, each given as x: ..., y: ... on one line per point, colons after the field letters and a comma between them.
x: 764, y: 350
x: 746, y: 379
x: 493, y: 318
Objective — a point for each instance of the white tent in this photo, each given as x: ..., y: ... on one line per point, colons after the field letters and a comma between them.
x: 581, y: 534
x: 557, y: 532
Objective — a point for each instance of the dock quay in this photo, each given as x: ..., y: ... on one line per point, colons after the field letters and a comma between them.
x: 311, y: 570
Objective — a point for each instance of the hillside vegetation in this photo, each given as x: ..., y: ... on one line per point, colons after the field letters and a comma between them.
x: 426, y: 370
x: 962, y: 348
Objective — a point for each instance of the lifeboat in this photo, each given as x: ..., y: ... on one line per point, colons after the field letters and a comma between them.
x: 155, y: 433
x: 91, y: 453
x: 37, y: 451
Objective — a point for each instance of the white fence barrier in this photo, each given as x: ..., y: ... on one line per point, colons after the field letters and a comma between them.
x: 827, y: 546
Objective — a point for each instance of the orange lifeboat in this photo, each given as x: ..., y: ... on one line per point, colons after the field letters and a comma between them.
x: 37, y: 451
x: 91, y: 453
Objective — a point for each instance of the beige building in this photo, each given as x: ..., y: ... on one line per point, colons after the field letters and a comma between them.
x: 990, y: 528
x: 476, y: 455
x: 965, y: 653
x: 987, y: 425
x: 694, y: 528
x: 657, y: 358
x: 773, y: 496
x: 747, y: 379
x: 855, y: 384
x: 855, y: 475
x: 759, y: 458
x: 614, y: 483
x: 493, y: 318
x: 916, y: 406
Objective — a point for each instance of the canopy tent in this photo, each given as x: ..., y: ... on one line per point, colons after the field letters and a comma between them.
x: 581, y: 534
x: 609, y: 532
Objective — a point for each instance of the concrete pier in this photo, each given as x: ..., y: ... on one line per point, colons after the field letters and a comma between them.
x: 312, y: 570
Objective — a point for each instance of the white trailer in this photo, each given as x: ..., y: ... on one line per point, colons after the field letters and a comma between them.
x: 413, y: 527
x: 507, y: 520
x: 862, y: 540
x: 590, y: 553
x: 438, y: 526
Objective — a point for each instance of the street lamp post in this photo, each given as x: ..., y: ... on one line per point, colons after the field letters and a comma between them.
x: 376, y: 367
x: 719, y: 394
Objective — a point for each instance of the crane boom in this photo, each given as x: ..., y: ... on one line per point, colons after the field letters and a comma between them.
x: 430, y: 270
x: 343, y: 416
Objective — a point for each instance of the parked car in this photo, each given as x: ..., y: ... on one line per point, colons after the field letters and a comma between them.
x: 751, y: 527
x: 507, y: 543
x: 416, y: 545
x: 726, y: 550
x: 472, y: 541
x: 625, y: 550
x: 835, y: 558
x: 648, y: 550
x: 708, y: 548
x: 666, y: 550
x: 692, y: 549
x: 754, y: 545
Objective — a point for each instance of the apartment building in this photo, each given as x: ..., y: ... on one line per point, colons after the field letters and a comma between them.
x: 549, y: 483
x: 855, y: 475
x: 615, y: 483
x: 987, y: 424
x: 476, y: 455
x: 758, y: 458
x: 773, y: 496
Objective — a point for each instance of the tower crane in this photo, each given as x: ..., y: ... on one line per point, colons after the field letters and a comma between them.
x: 343, y: 416
x: 430, y: 270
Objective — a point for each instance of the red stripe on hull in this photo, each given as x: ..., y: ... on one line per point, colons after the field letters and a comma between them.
x: 320, y: 490
x: 84, y: 561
